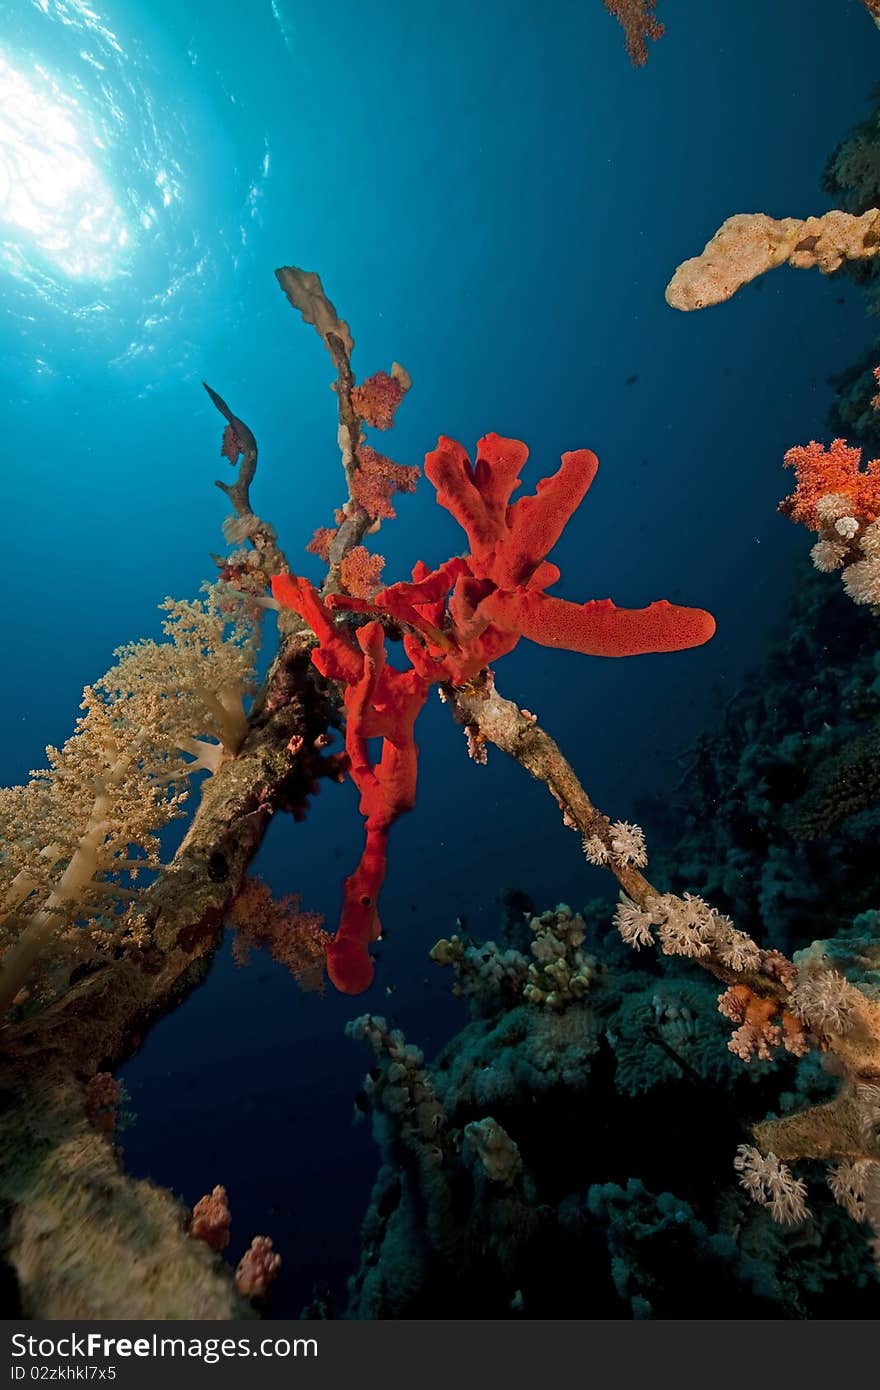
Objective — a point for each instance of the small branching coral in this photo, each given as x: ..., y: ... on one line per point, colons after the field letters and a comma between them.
x: 558, y: 973
x: 640, y: 26
x: 294, y: 938
x: 402, y: 1086
x: 772, y: 1185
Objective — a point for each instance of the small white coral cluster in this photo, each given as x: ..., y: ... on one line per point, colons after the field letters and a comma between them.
x: 847, y: 543
x: 560, y: 971
x: 852, y: 1183
x: 624, y: 844
x: 685, y: 926
x: 825, y: 1001
x: 772, y: 1184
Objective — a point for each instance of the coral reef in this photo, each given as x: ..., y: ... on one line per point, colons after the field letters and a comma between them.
x: 731, y: 1005
x: 512, y: 1171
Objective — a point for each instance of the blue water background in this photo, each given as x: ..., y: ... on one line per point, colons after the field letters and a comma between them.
x: 497, y: 200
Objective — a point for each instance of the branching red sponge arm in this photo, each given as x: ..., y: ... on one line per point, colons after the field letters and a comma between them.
x: 449, y: 470
x: 507, y: 543
x: 535, y: 523
x: 348, y: 958
x: 599, y: 627
x: 383, y: 703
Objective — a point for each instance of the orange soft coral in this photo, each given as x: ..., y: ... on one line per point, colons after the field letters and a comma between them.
x: 211, y: 1220
x: 639, y: 25
x: 376, y: 479
x: 376, y: 400
x: 758, y: 1035
x: 836, y: 471
x: 361, y: 572
x: 321, y: 542
x: 294, y: 938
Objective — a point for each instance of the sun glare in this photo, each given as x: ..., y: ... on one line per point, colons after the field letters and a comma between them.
x: 53, y: 197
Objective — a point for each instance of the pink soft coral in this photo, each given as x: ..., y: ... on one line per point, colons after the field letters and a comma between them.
x: 639, y: 26
x: 377, y: 399
x: 376, y: 479
x: 837, y: 471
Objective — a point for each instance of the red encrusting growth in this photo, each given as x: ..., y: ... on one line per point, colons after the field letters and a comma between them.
x: 455, y: 621
x: 376, y: 399
x: 321, y: 542
x: 361, y: 572
x: 836, y: 470
x: 230, y: 447
x: 376, y: 479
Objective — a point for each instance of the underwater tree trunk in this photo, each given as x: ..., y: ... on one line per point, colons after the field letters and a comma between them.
x: 80, y: 1238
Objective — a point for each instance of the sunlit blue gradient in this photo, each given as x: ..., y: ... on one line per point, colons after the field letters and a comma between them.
x: 122, y: 217
x: 54, y: 199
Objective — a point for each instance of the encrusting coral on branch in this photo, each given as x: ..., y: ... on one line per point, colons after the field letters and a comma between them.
x: 839, y: 500
x: 749, y: 244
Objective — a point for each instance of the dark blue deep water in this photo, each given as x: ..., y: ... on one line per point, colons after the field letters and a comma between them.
x: 496, y: 199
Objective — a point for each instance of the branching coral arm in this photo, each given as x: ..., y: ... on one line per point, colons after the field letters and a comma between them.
x: 749, y: 244
x: 239, y: 442
x: 305, y: 293
x: 599, y: 627
x: 850, y: 1127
